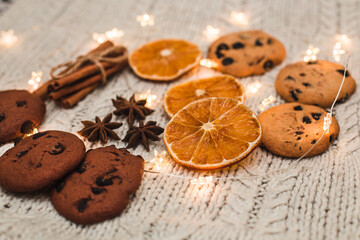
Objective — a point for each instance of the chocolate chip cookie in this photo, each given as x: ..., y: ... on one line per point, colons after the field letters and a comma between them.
x: 315, y: 83
x: 20, y: 113
x: 40, y: 160
x: 291, y: 129
x: 100, y: 187
x: 246, y: 53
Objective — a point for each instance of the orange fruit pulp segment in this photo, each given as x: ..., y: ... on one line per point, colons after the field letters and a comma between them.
x: 182, y: 94
x: 165, y: 59
x: 212, y: 133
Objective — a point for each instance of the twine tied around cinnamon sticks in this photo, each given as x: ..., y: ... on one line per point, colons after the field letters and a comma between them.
x: 114, y: 55
x: 78, y: 78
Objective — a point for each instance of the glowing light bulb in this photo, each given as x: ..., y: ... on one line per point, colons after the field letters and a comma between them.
x: 151, y: 99
x: 8, y: 38
x: 35, y: 131
x: 239, y: 18
x: 35, y: 81
x: 205, y: 62
x: 253, y: 87
x: 342, y: 41
x: 310, y: 54
x: 266, y: 102
x: 113, y: 35
x: 158, y: 159
x: 211, y: 32
x: 146, y: 20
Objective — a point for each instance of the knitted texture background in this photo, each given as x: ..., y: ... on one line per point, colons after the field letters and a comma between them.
x: 318, y: 198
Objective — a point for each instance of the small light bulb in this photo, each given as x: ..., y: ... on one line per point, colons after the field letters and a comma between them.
x: 239, y: 18
x: 146, y: 20
x: 211, y: 32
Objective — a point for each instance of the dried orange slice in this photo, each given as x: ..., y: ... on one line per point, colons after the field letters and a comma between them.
x: 212, y: 133
x: 165, y: 59
x: 182, y: 94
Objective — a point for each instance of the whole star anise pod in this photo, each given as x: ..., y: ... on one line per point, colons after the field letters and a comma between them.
x: 142, y: 134
x: 100, y: 130
x: 132, y: 108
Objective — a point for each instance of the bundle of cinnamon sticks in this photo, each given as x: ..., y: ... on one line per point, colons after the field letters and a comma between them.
x: 71, y: 88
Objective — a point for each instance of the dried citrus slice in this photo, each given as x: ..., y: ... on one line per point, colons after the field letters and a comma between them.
x: 165, y: 59
x: 182, y: 94
x: 212, y: 133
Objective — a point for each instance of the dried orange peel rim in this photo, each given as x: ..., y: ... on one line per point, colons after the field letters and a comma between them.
x: 240, y: 98
x: 248, y: 151
x: 155, y: 77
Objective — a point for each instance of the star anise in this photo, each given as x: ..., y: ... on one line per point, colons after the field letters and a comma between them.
x: 100, y: 130
x: 142, y: 134
x: 132, y: 108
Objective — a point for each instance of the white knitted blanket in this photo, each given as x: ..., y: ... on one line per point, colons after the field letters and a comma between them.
x: 319, y: 198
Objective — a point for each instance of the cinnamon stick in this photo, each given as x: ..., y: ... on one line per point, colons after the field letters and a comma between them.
x: 83, y: 72
x: 75, y: 98
x: 97, y: 78
x: 76, y: 76
x: 43, y: 91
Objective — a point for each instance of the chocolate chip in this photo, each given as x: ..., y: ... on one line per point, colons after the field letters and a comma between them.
x: 2, y: 116
x: 287, y: 142
x: 298, y: 138
x: 294, y: 95
x: 302, y: 74
x: 269, y: 41
x: 331, y: 138
x: 27, y: 127
x: 290, y: 78
x: 298, y: 108
x: 299, y: 132
x: 59, y: 186
x: 38, y: 135
x: 298, y: 90
x: 258, y: 43
x: 307, y: 84
x: 220, y: 47
x: 21, y: 154
x: 316, y: 116
x: 82, y: 205
x: 311, y: 62
x: 21, y: 103
x: 227, y: 61
x: 57, y: 149
x: 238, y: 45
x: 101, y: 182
x: 306, y: 120
x: 341, y: 71
x: 97, y: 190
x: 39, y: 165
x: 268, y: 65
x: 219, y: 54
x: 313, y: 141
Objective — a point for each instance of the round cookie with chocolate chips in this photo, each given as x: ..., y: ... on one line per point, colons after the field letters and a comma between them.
x: 291, y: 129
x: 246, y: 53
x: 20, y: 113
x: 40, y: 160
x: 315, y: 83
x: 100, y: 188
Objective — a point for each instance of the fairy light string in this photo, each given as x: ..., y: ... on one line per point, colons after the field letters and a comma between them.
x: 209, y: 179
